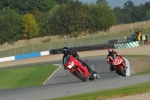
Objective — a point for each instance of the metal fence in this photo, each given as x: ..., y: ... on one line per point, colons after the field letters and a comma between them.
x: 70, y: 42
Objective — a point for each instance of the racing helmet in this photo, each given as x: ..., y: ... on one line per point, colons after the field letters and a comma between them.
x: 110, y: 50
x: 65, y: 50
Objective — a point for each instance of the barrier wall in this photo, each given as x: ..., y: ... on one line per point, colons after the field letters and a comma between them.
x: 126, y: 45
x: 85, y: 48
x: 24, y: 56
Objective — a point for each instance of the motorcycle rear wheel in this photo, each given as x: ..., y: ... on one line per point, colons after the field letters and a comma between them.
x: 84, y: 79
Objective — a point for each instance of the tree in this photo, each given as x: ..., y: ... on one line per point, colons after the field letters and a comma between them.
x: 62, y: 1
x: 102, y: 17
x: 21, y: 6
x: 44, y: 5
x: 58, y: 20
x: 102, y: 2
x: 129, y: 4
x: 30, y: 27
x: 41, y: 19
x: 119, y: 15
x: 77, y: 13
x: 146, y: 10
x: 10, y: 27
x: 68, y: 18
x: 27, y: 6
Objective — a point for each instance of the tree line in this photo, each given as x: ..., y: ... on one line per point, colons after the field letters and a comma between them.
x: 26, y: 19
x: 131, y: 13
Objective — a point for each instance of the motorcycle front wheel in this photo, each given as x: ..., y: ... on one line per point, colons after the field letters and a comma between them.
x: 122, y: 72
x: 84, y: 79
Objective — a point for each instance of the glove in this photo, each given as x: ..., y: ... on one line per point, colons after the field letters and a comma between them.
x: 77, y: 57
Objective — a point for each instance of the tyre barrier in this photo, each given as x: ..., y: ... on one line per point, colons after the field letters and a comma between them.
x: 84, y: 48
x: 126, y: 45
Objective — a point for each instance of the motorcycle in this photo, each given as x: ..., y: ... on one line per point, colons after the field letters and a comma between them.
x: 78, y: 69
x: 119, y: 65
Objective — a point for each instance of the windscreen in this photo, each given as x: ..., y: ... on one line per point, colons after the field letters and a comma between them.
x: 67, y: 59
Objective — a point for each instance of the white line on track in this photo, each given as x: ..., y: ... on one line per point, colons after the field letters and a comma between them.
x: 53, y: 73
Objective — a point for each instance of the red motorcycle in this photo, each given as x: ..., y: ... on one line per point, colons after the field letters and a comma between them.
x: 78, y: 69
x: 119, y: 65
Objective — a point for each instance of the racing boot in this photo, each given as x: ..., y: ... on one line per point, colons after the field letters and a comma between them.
x: 112, y: 68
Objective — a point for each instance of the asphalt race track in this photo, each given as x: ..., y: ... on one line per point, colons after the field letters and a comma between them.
x: 62, y: 83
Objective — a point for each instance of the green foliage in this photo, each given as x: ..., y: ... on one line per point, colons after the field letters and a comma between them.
x: 41, y: 20
x: 57, y: 20
x: 102, y: 17
x: 21, y: 6
x: 44, y: 5
x: 78, y: 19
x: 10, y: 26
x: 27, y: 6
x: 47, y: 40
x: 68, y: 18
x: 110, y: 93
x: 30, y: 27
x: 102, y: 2
x: 63, y: 17
x: 62, y: 1
x: 131, y: 13
x: 74, y: 18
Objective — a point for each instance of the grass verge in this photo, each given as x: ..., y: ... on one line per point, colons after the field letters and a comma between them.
x: 144, y: 59
x: 25, y: 76
x: 111, y: 93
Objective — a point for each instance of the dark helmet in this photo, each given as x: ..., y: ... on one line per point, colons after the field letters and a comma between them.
x: 65, y: 50
x: 110, y: 51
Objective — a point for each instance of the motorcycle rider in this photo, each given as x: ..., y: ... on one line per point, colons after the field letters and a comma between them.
x: 113, y: 54
x: 67, y: 51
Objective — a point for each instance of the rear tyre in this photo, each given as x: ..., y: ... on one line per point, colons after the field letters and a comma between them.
x: 84, y: 79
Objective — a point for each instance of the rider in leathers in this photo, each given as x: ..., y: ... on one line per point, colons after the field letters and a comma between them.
x: 112, y: 53
x: 67, y: 51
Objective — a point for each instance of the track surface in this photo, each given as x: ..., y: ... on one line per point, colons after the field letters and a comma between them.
x: 62, y: 83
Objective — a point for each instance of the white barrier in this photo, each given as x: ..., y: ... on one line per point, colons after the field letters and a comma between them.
x: 44, y: 53
x: 18, y: 57
x: 127, y: 45
x: 7, y: 59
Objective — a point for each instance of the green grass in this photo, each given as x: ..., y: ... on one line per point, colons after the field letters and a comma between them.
x: 25, y: 76
x: 140, y: 56
x: 145, y: 72
x: 105, y: 94
x: 137, y: 56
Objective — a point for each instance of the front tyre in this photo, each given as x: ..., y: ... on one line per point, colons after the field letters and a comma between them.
x: 122, y: 72
x: 84, y: 79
